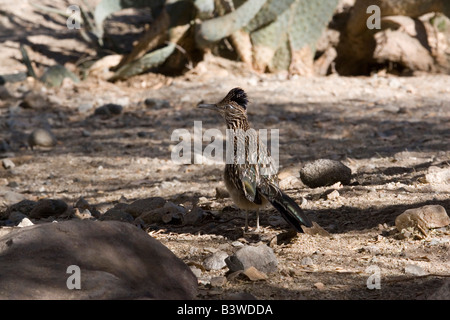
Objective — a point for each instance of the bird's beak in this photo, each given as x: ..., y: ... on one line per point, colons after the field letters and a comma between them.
x: 207, y: 106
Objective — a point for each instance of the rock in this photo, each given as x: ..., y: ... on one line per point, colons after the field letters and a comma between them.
x: 117, y: 214
x: 16, y: 217
x: 157, y: 103
x: 333, y: 195
x: 307, y: 261
x: 85, y: 107
x: 110, y: 109
x: 415, y: 270
x: 194, y: 216
x: 423, y: 218
x: 319, y: 285
x: 218, y: 281
x: 116, y: 261
x: 45, y: 208
x: 83, y: 205
x: 24, y: 207
x: 42, y: 138
x: 34, y: 100
x: 141, y: 206
x: 325, y: 172
x: 25, y: 223
x: 438, y: 175
x: 8, y: 164
x: 216, y: 261
x: 9, y: 197
x: 260, y: 257
x: 85, y: 214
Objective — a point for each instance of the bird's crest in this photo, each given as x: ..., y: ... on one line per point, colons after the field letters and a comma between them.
x: 239, y: 96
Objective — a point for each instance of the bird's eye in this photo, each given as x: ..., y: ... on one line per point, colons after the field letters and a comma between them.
x: 230, y: 106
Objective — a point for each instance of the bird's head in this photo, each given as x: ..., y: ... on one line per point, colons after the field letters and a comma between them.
x: 232, y: 108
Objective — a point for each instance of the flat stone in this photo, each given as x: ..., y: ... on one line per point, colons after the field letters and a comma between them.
x: 426, y: 217
x: 216, y: 261
x: 116, y: 260
x: 261, y: 257
x: 325, y: 172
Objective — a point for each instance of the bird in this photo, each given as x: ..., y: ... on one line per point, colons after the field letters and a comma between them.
x: 253, y: 184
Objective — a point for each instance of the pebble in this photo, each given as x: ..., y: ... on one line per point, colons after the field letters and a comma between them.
x: 261, y: 257
x: 25, y: 223
x: 8, y: 164
x: 219, y: 281
x: 109, y: 109
x: 307, y: 261
x: 194, y: 216
x: 325, y: 172
x: 319, y: 285
x: 415, y: 270
x: 42, y: 138
x: 157, y: 103
x: 216, y: 261
x: 333, y: 195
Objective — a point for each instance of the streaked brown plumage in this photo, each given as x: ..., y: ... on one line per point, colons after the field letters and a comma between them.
x: 253, y: 182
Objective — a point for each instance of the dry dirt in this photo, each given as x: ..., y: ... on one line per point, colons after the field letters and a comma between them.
x: 390, y: 131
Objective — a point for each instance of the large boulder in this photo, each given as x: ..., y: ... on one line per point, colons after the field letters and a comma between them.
x: 116, y: 260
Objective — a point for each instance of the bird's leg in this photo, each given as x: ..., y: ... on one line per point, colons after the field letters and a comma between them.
x: 257, y: 220
x: 246, y: 220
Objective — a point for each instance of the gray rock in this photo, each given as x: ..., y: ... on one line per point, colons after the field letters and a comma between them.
x: 141, y: 206
x: 24, y: 207
x: 117, y: 214
x: 42, y: 138
x: 110, y: 109
x: 16, y: 217
x: 261, y: 257
x: 9, y: 197
x: 325, y: 172
x: 218, y: 281
x: 216, y: 261
x: 415, y: 270
x: 45, y: 208
x: 116, y: 261
x: 426, y: 217
x: 194, y: 216
x: 307, y: 261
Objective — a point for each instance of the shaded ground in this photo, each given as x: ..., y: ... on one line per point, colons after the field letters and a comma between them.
x: 390, y: 131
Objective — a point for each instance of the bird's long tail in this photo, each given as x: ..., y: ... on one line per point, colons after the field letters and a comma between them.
x: 290, y: 210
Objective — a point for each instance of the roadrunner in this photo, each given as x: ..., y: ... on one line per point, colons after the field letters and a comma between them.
x: 252, y: 180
